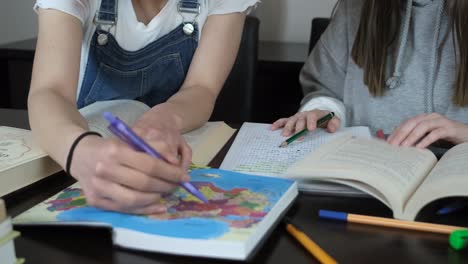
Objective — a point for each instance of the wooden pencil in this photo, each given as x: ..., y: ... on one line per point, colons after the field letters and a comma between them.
x: 389, y: 222
x: 308, y: 244
x: 301, y: 133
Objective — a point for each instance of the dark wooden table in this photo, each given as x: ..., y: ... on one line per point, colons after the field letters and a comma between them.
x: 348, y: 243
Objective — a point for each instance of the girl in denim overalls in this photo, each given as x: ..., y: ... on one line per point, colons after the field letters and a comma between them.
x: 173, y: 55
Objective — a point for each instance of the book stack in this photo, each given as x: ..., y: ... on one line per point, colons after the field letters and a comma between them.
x: 7, y: 234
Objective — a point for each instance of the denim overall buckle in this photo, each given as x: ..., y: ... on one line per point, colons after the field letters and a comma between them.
x: 106, y: 16
x: 191, y: 7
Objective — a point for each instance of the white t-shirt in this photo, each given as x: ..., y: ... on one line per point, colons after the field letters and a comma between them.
x: 131, y: 34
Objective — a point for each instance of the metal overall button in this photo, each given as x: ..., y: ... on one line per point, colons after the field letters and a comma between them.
x: 102, y: 39
x: 189, y: 27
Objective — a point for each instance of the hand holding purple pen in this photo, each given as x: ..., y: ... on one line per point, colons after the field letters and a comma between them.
x: 126, y: 134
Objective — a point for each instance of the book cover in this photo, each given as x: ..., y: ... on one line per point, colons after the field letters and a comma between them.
x: 242, y: 209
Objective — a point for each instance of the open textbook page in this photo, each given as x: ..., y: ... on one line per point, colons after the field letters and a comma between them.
x: 208, y: 140
x: 449, y: 178
x: 389, y: 173
x: 205, y: 141
x: 256, y: 150
x: 22, y: 162
x: 127, y: 110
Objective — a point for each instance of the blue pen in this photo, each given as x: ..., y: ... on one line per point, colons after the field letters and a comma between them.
x: 452, y: 207
x: 126, y: 134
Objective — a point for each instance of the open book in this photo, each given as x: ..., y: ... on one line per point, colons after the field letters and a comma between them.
x: 22, y: 162
x: 255, y: 150
x: 242, y: 209
x: 403, y: 178
x: 205, y: 141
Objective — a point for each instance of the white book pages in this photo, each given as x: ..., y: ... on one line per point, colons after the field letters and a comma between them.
x: 256, y: 151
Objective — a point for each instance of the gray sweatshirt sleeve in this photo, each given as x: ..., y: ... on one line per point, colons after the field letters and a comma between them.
x: 324, y: 71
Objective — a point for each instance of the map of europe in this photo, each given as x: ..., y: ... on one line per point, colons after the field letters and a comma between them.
x: 233, y: 204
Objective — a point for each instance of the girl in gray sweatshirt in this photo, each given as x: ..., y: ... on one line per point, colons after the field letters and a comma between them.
x: 400, y: 66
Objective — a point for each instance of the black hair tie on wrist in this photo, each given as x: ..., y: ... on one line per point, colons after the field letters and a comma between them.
x: 73, y: 146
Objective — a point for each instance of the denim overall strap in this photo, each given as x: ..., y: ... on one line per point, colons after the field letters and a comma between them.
x: 107, y: 13
x: 191, y: 7
x: 151, y: 74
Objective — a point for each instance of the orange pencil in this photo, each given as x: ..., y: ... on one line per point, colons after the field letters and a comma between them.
x: 308, y: 244
x: 389, y: 222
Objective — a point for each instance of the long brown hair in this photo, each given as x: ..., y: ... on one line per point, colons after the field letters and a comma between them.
x: 376, y: 35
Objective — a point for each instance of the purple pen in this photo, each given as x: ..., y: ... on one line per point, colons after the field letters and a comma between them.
x: 126, y: 134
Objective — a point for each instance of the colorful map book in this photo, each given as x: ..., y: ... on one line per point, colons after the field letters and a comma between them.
x: 242, y: 209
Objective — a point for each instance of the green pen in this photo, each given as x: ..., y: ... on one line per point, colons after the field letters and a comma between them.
x: 459, y: 239
x: 301, y: 133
